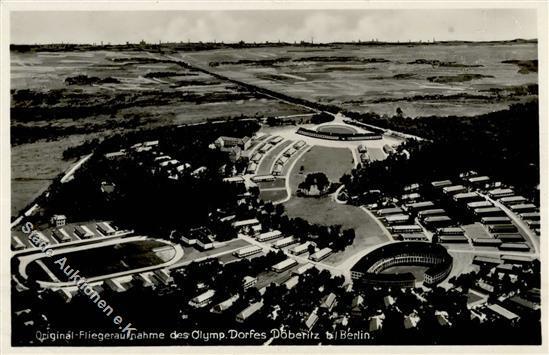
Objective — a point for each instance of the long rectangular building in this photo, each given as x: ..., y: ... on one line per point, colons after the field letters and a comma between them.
x: 487, y: 242
x: 450, y: 231
x: 105, y: 228
x: 453, y: 239
x: 465, y: 196
x: 397, y: 218
x: 61, y: 235
x: 321, y: 254
x: 247, y: 251
x: 512, y: 200
x: 303, y: 269
x: 510, y: 237
x: 407, y: 228
x: 502, y: 228
x: 479, y: 204
x: 441, y: 183
x: 284, y: 242
x: 495, y: 220
x: 83, y: 232
x: 419, y: 206
x: 488, y: 211
x: 249, y: 311
x: 437, y: 221
x: 431, y: 212
x: 411, y: 237
x: 523, y: 207
x: 284, y: 265
x: 388, y: 211
x: 514, y: 246
x: 499, y: 193
x: 202, y: 300
x: 264, y: 237
x: 530, y: 216
x: 291, y: 282
x: 300, y: 249
x: 478, y: 180
x: 454, y: 189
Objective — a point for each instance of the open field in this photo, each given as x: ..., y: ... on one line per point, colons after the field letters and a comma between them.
x: 337, y: 129
x: 34, y: 165
x: 334, y: 162
x: 273, y: 195
x: 278, y: 182
x: 325, y: 211
x: 69, y: 97
x: 416, y: 78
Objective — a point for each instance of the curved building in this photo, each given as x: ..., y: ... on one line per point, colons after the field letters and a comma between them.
x: 368, y: 271
x: 338, y: 136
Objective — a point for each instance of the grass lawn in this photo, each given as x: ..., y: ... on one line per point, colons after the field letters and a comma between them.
x: 334, y: 162
x: 324, y: 211
x: 110, y: 259
x: 264, y: 167
x: 34, y: 165
x: 279, y: 182
x: 273, y: 195
x: 418, y: 271
x: 337, y: 129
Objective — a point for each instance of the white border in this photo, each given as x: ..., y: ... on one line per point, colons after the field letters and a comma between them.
x: 8, y: 6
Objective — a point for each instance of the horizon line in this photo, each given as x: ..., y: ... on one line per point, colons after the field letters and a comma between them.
x: 298, y: 42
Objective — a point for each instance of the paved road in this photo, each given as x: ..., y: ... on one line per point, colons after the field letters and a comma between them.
x: 69, y: 175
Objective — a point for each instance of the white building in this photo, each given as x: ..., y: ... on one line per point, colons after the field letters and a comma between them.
x: 58, y: 220
x: 202, y: 300
x: 248, y: 282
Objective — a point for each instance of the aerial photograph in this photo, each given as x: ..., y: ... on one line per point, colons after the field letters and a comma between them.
x: 274, y: 177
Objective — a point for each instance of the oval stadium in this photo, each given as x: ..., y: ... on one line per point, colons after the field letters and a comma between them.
x: 101, y: 260
x: 337, y: 129
x: 403, y: 264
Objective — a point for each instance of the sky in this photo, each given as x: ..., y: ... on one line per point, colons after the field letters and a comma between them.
x: 114, y: 27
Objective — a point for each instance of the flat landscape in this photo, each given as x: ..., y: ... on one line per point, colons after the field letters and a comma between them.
x: 423, y: 80
x: 334, y: 162
x: 61, y: 99
x: 58, y: 95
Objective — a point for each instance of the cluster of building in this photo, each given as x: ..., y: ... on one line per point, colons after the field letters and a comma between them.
x: 278, y: 241
x: 233, y: 146
x: 475, y: 212
x: 338, y: 136
x: 201, y: 237
x: 511, y: 304
x: 286, y: 155
x: 158, y: 162
x: 61, y: 232
x: 155, y: 278
x: 477, y: 198
x: 260, y: 153
x: 368, y: 271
